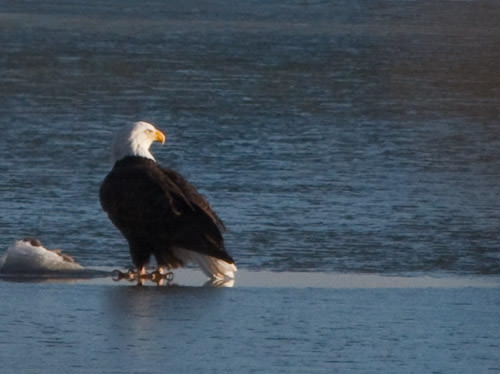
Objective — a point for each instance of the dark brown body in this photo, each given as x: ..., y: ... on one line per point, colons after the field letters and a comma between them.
x: 156, y: 210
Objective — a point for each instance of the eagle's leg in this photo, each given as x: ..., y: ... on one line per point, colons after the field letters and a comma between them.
x: 141, y: 275
x: 162, y: 275
x: 162, y: 270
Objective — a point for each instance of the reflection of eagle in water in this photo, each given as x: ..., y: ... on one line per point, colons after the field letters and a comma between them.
x: 158, y: 211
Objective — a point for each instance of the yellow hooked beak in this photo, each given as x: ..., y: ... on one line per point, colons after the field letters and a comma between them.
x: 160, y: 136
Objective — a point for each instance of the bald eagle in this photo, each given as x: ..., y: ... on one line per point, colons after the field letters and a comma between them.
x: 158, y: 211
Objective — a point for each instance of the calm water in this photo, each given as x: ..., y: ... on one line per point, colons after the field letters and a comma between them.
x: 346, y: 136
x: 60, y: 328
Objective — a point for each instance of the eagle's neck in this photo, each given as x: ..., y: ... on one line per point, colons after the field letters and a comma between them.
x: 131, y: 148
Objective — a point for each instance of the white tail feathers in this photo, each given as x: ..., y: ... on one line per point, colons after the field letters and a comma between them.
x: 211, y: 266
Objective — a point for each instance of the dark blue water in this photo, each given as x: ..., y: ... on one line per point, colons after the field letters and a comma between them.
x: 352, y: 136
x: 336, y: 137
x: 330, y: 136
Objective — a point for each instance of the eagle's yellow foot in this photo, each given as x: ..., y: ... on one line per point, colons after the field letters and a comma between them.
x: 161, y: 276
x: 130, y: 274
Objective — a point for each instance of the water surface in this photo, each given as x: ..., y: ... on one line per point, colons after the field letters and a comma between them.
x: 86, y: 328
x: 334, y: 137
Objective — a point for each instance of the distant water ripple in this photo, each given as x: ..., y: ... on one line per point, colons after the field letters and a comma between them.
x: 346, y: 137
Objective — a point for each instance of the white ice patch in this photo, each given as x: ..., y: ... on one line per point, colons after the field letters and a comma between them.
x: 24, y: 257
x: 211, y: 266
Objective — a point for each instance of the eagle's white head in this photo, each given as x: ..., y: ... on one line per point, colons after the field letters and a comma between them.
x: 135, y: 140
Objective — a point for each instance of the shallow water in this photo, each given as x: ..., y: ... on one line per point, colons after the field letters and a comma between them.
x: 422, y: 325
x: 333, y: 137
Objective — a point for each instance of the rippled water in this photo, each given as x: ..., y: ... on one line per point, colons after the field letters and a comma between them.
x: 346, y: 136
x: 337, y: 137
